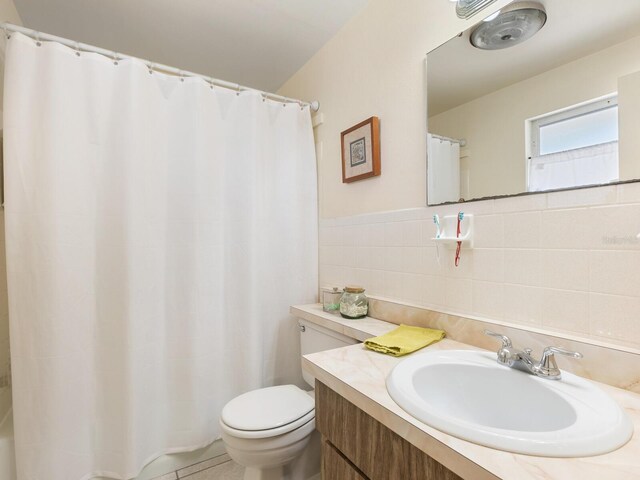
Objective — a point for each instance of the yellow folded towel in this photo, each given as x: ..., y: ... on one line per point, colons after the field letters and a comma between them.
x: 404, y: 340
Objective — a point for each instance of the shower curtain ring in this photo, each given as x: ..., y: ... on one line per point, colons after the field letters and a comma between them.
x: 210, y: 81
x: 264, y: 97
x: 238, y: 90
x: 38, y: 42
x: 115, y: 58
x: 77, y: 49
x: 6, y: 32
x: 150, y: 67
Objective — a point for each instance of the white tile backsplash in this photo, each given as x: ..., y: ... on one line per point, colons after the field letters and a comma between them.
x: 523, y: 304
x: 567, y: 311
x: 393, y: 234
x: 522, y: 230
x: 458, y: 294
x: 569, y: 228
x: 412, y: 286
x: 567, y: 261
x: 412, y: 260
x: 615, y: 272
x: 614, y: 316
x: 412, y: 233
x: 488, y: 299
x: 376, y: 231
x: 615, y: 227
x: 393, y: 259
x: 488, y: 264
x: 433, y: 291
x: 489, y: 231
x: 565, y: 269
x: 522, y: 267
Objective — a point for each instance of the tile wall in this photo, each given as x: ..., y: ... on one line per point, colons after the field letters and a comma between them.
x: 566, y: 262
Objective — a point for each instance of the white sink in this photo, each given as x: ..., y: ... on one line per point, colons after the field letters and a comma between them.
x: 469, y: 395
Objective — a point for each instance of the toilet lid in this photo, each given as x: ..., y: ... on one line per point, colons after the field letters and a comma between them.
x: 267, y: 408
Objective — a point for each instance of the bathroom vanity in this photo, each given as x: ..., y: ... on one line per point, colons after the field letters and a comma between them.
x: 366, y: 435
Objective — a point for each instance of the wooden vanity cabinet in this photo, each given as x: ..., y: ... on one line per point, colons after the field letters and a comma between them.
x: 355, y: 446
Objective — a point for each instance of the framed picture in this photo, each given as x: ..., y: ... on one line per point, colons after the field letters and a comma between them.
x: 361, y: 151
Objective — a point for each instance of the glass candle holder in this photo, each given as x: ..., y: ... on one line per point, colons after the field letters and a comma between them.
x: 331, y: 300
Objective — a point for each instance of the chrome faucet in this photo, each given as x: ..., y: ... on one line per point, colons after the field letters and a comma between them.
x: 523, y: 360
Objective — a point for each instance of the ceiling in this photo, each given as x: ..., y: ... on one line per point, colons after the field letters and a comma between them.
x: 257, y: 43
x: 459, y: 73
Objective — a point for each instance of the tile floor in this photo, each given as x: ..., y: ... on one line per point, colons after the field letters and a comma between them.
x: 217, y: 468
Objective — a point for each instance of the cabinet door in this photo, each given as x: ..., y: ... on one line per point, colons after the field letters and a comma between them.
x: 336, y: 467
x: 375, y: 450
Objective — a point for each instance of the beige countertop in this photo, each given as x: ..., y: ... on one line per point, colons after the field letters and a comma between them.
x: 359, y: 375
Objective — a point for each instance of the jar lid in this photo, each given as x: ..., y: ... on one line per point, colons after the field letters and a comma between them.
x: 331, y: 290
x: 353, y: 289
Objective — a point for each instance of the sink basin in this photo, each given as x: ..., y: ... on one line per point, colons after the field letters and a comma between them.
x: 467, y: 394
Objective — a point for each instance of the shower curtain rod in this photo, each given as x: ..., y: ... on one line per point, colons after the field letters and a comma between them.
x: 83, y: 47
x: 462, y: 142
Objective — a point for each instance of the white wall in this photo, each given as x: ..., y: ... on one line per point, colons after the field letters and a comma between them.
x: 9, y: 14
x: 375, y: 66
x: 494, y: 124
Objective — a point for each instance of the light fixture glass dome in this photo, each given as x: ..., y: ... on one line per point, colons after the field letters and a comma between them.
x: 515, y: 24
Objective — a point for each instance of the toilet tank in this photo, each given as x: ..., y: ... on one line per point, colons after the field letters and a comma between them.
x: 314, y: 338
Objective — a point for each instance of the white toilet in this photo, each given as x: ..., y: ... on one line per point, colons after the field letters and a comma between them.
x: 270, y: 431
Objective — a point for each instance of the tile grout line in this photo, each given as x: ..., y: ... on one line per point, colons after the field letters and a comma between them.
x: 203, y: 470
x: 209, y: 460
x: 177, y: 474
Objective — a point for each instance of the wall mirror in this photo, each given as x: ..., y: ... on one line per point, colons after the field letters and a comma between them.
x: 541, y: 96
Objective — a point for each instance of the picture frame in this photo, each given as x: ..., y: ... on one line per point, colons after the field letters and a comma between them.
x: 360, y: 146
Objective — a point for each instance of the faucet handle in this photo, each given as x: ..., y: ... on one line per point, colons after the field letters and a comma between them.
x: 506, y: 341
x: 548, y: 366
x: 562, y: 351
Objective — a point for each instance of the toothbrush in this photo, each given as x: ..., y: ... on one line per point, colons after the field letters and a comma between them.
x: 436, y: 220
x: 458, y: 231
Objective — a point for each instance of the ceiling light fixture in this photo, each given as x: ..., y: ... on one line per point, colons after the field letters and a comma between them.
x: 513, y: 25
x: 493, y: 16
x: 468, y: 8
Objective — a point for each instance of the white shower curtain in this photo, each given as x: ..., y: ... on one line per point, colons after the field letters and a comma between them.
x: 157, y: 232
x: 443, y: 159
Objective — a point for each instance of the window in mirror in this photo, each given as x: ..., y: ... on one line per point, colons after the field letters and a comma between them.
x: 576, y: 127
x: 575, y: 147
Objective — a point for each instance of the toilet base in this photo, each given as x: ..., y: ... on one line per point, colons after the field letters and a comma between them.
x: 275, y: 473
x: 304, y: 467
x: 291, y: 456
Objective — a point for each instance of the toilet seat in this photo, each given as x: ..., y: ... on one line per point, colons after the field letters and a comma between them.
x: 272, y: 432
x: 267, y: 412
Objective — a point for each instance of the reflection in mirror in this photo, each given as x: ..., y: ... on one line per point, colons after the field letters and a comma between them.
x: 543, y: 96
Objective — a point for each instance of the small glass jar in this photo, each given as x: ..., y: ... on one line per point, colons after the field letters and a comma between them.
x: 331, y: 300
x: 354, y: 303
